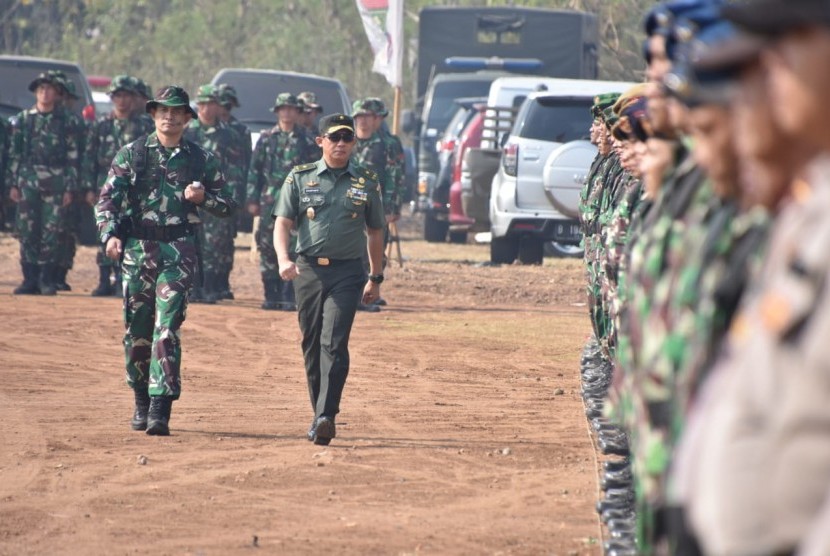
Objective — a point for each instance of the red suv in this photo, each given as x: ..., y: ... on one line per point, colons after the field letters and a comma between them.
x: 470, y: 137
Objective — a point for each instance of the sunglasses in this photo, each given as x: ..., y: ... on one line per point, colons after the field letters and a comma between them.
x: 338, y: 136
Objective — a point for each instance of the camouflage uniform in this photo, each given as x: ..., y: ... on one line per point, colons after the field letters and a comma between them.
x: 160, y: 255
x: 308, y: 101
x: 105, y: 138
x: 43, y: 165
x: 395, y: 159
x: 217, y: 232
x: 276, y: 153
x: 373, y: 154
x: 5, y: 203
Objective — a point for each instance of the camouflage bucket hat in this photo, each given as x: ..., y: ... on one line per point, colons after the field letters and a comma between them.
x: 377, y: 106
x: 309, y: 101
x: 207, y: 93
x: 286, y: 99
x: 52, y: 77
x: 171, y: 95
x: 335, y: 122
x: 143, y: 88
x: 227, y: 96
x: 122, y: 83
x: 603, y: 101
x: 69, y: 86
x: 361, y: 108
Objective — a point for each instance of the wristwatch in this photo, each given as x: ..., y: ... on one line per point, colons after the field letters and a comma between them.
x: 106, y: 238
x: 376, y: 278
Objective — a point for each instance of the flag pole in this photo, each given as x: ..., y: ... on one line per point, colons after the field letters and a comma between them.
x: 396, y: 112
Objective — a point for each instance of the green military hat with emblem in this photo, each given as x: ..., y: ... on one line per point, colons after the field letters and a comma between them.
x: 207, y: 93
x: 335, y: 122
x: 171, y: 95
x: 309, y: 101
x: 228, y: 96
x: 286, y: 99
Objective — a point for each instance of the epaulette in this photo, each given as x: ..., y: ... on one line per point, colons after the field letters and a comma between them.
x: 369, y: 174
x: 305, y: 167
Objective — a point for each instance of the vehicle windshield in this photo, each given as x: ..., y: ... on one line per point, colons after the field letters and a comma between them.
x: 556, y: 119
x: 16, y: 76
x: 257, y: 92
x: 443, y: 108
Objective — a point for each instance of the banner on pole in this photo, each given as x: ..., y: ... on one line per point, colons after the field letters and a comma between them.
x: 383, y: 22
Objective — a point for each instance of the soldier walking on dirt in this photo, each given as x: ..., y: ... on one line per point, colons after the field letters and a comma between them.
x: 334, y: 205
x: 147, y: 215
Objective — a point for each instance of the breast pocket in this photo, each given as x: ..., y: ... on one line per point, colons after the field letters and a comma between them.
x: 356, y: 199
x: 313, y: 200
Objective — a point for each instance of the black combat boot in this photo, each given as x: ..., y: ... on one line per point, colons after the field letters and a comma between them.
x: 224, y: 285
x: 142, y: 407
x: 47, y: 279
x: 104, y: 287
x: 272, y: 300
x: 158, y: 417
x: 30, y: 284
x: 60, y: 279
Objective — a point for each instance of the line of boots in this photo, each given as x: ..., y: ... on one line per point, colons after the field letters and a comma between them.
x: 152, y: 413
x: 39, y: 279
x: 106, y: 287
x: 215, y: 287
x: 279, y: 294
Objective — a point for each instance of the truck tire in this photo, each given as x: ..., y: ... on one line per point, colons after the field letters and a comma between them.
x: 531, y: 250
x: 563, y: 250
x: 504, y: 250
x: 435, y: 231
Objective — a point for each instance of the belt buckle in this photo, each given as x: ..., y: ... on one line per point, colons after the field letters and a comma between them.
x: 323, y: 261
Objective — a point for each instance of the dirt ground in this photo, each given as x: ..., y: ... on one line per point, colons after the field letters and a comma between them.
x: 462, y: 430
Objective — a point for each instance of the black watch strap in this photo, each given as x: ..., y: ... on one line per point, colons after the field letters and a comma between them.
x: 376, y: 278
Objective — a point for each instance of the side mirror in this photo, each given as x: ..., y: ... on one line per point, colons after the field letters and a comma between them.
x: 409, y: 122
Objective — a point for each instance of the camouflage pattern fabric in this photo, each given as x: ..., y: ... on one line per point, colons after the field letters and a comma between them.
x: 217, y: 232
x: 372, y: 153
x: 157, y: 275
x: 396, y: 166
x: 276, y: 153
x: 104, y: 139
x: 43, y: 162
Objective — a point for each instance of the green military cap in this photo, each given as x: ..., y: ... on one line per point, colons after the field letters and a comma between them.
x: 603, y: 101
x: 609, y: 117
x: 228, y: 96
x: 335, y: 122
x: 207, y: 93
x: 362, y: 108
x: 377, y: 106
x: 122, y: 83
x: 52, y: 77
x: 143, y: 88
x: 286, y: 99
x: 309, y: 101
x: 171, y: 95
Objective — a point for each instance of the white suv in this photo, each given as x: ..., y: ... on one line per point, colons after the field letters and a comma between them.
x: 535, y: 193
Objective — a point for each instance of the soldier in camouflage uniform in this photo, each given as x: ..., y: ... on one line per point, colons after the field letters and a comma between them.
x: 396, y: 161
x: 216, y: 233
x: 106, y: 137
x: 312, y: 110
x: 146, y: 216
x: 5, y: 202
x: 278, y: 150
x: 243, y: 148
x: 44, y: 179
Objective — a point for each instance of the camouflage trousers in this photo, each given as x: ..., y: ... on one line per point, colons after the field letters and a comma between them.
x: 39, y: 222
x: 157, y: 277
x: 216, y: 243
x: 68, y: 235
x: 268, y: 265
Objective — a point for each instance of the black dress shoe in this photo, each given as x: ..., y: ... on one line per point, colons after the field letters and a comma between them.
x: 368, y: 308
x: 324, y: 431
x: 616, y: 465
x: 311, y: 431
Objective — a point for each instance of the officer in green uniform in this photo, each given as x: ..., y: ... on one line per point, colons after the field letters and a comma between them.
x: 334, y: 205
x: 147, y: 214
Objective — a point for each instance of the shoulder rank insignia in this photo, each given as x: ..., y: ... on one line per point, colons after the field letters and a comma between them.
x: 305, y: 167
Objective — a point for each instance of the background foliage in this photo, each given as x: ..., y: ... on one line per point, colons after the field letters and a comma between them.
x: 187, y: 41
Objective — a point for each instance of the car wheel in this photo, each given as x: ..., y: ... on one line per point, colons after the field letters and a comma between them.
x: 435, y: 231
x: 504, y: 250
x: 563, y: 250
x: 531, y: 250
x: 458, y: 237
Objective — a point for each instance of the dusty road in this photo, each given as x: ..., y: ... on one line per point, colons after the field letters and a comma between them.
x: 461, y: 432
